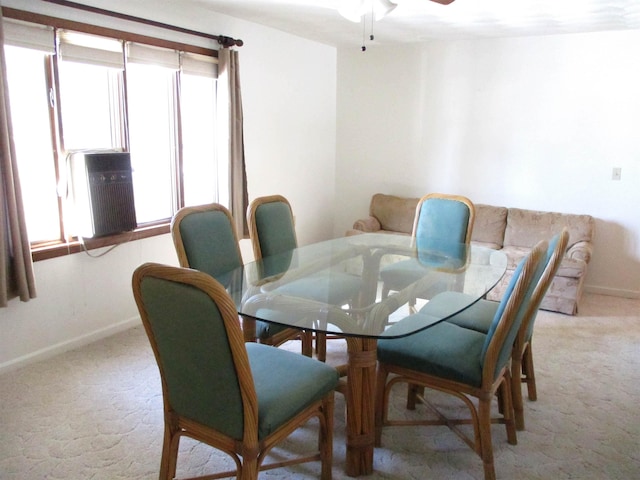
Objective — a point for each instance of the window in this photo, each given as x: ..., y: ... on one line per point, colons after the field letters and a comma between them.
x: 154, y: 135
x: 33, y: 141
x: 102, y: 93
x: 198, y: 89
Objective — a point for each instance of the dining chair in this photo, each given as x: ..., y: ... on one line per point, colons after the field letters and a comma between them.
x: 205, y: 239
x: 479, y: 316
x: 470, y: 365
x: 273, y: 235
x: 240, y: 398
x: 442, y: 222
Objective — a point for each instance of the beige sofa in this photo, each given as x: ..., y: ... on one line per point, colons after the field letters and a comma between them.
x: 512, y: 230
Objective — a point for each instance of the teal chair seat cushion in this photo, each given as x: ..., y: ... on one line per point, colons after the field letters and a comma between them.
x: 444, y: 350
x: 403, y: 273
x: 440, y: 231
x: 333, y: 288
x: 266, y: 329
x: 275, y: 371
x: 476, y: 317
x: 283, y: 321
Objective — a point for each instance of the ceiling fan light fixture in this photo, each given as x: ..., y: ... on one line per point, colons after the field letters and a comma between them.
x: 354, y: 10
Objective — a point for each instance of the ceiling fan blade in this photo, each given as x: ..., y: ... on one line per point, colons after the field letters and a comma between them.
x: 443, y: 2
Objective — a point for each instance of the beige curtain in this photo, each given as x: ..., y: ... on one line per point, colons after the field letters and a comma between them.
x: 233, y: 149
x: 16, y: 267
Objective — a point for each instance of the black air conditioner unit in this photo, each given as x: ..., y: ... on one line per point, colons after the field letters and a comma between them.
x: 103, y: 193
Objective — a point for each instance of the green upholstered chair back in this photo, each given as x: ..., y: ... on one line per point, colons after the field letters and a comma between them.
x: 274, y: 227
x: 444, y: 216
x: 195, y: 348
x: 518, y: 293
x: 273, y: 234
x: 555, y: 253
x: 206, y: 240
x: 443, y: 224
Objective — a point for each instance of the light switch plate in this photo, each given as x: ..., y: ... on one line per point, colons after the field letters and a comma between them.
x: 616, y: 174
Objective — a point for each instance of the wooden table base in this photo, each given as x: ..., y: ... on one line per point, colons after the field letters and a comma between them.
x: 360, y: 404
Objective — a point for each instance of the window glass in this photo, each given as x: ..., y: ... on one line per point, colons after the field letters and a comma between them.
x: 152, y: 131
x: 197, y: 103
x: 26, y: 73
x: 90, y: 106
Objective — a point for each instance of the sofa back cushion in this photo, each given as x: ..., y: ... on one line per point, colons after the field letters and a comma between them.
x: 489, y: 225
x: 394, y: 213
x: 527, y: 227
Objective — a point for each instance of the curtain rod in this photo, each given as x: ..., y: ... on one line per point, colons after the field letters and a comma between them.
x: 226, y: 42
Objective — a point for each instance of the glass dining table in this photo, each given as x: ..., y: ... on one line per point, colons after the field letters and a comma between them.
x: 262, y: 291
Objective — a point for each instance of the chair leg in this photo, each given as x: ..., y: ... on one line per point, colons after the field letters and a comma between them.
x: 321, y: 346
x: 249, y: 467
x: 507, y: 414
x: 384, y: 293
x: 249, y: 329
x: 516, y: 391
x: 412, y: 306
x: 486, y: 446
x: 529, y: 372
x: 306, y: 338
x: 169, y: 459
x: 500, y: 401
x: 413, y: 391
x: 326, y: 437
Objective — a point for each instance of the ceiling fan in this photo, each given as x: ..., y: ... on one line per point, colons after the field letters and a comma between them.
x: 354, y: 10
x: 357, y: 10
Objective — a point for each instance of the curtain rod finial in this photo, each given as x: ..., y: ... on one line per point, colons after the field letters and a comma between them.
x: 227, y: 42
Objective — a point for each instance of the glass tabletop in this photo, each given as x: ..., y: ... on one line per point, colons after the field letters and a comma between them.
x: 337, y: 286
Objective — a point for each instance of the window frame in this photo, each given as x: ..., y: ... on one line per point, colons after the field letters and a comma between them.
x: 56, y: 248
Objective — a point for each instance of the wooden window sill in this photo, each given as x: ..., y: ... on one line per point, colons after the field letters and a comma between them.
x: 53, y: 250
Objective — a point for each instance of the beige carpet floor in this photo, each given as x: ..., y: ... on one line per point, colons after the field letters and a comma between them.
x: 96, y: 413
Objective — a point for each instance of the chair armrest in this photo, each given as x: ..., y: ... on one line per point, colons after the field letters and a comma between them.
x: 580, y: 251
x: 368, y: 224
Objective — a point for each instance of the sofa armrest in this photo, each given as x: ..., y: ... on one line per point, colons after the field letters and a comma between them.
x: 368, y: 224
x: 580, y: 251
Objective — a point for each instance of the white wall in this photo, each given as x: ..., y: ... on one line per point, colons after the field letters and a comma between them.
x: 535, y: 122
x: 80, y: 299
x: 289, y: 87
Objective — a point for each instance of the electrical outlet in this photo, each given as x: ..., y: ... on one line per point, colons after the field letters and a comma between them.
x: 617, y: 174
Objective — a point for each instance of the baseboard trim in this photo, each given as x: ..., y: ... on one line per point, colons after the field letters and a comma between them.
x: 612, y: 292
x: 81, y: 341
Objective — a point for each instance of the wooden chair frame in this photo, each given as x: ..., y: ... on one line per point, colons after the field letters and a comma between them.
x: 319, y: 337
x: 248, y: 323
x: 447, y: 196
x: 522, y: 369
x: 443, y: 196
x: 249, y: 452
x: 492, y: 384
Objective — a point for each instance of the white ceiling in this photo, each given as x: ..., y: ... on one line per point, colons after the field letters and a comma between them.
x: 422, y: 20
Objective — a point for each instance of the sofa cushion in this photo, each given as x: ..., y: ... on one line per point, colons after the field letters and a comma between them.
x: 527, y: 227
x: 489, y: 226
x: 569, y: 267
x: 394, y: 213
x: 572, y: 268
